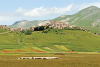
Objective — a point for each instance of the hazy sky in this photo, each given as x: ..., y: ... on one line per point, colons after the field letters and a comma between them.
x: 17, y: 10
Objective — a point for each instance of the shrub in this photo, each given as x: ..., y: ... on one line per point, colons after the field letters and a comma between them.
x: 98, y: 33
x: 23, y: 31
x: 28, y: 32
x: 83, y: 30
x: 45, y: 31
x: 51, y: 27
x: 47, y: 27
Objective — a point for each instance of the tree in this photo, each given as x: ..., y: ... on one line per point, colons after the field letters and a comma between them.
x: 47, y: 27
x: 97, y: 25
x: 41, y: 28
x: 36, y: 29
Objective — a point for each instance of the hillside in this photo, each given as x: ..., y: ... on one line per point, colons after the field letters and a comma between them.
x: 2, y: 31
x: 87, y: 17
x: 68, y: 40
x: 9, y: 40
x: 27, y: 24
x: 56, y: 40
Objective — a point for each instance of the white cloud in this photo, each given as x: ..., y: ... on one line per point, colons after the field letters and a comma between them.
x: 7, y: 18
x: 20, y: 10
x: 41, y: 12
x: 22, y: 14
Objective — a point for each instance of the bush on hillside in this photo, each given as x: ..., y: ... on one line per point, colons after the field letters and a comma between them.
x: 28, y: 32
x: 74, y: 28
x: 83, y: 30
x: 51, y: 27
x: 23, y: 31
x: 16, y: 32
x: 45, y: 31
x: 98, y: 33
x: 47, y: 27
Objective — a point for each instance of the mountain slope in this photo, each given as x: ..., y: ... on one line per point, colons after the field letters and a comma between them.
x: 87, y: 17
x: 27, y: 24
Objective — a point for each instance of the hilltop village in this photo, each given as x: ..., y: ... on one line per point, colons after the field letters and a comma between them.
x: 53, y: 24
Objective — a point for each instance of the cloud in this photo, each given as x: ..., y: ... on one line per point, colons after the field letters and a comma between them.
x: 42, y: 12
x: 8, y: 20
x: 22, y: 14
x: 52, y: 11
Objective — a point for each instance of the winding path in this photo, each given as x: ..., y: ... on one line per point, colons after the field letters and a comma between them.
x: 3, y: 32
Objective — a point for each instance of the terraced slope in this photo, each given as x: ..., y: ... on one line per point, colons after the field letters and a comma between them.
x: 9, y: 40
x: 69, y: 40
x: 53, y: 41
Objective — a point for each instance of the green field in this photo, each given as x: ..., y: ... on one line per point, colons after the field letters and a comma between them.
x: 68, y: 40
x: 1, y: 30
x: 56, y: 40
x: 81, y: 48
x: 9, y: 40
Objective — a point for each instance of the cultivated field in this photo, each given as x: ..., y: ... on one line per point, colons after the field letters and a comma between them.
x: 68, y: 40
x: 81, y: 49
x: 68, y: 60
x: 56, y: 40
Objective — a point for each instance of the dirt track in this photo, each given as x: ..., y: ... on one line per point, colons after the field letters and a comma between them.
x: 3, y: 32
x: 53, y: 52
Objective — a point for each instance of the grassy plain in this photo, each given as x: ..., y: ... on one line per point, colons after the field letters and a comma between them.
x: 68, y: 60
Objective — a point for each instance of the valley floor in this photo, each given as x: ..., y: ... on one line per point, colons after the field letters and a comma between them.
x: 67, y: 60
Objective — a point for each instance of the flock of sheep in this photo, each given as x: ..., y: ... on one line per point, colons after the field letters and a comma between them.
x: 38, y: 58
